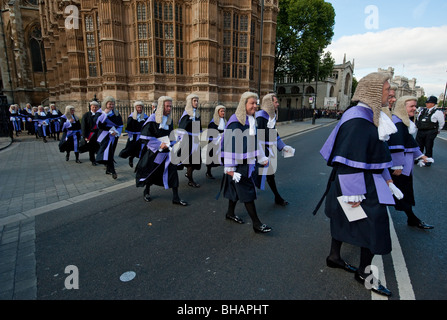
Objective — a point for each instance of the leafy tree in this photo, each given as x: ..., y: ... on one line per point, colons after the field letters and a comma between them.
x: 304, y: 29
x: 421, y: 101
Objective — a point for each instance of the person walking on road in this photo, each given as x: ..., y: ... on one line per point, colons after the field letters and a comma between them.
x: 270, y: 143
x: 404, y: 151
x: 155, y: 166
x: 43, y: 122
x: 215, y: 131
x: 71, y: 128
x: 429, y: 122
x: 110, y: 125
x: 359, y: 155
x: 90, y: 131
x: 190, y: 138
x: 240, y: 155
x: 135, y: 122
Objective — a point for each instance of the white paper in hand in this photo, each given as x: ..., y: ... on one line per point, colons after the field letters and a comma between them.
x: 288, y: 152
x: 353, y: 214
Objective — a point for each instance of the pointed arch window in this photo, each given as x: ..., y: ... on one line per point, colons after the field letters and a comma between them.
x: 37, y: 53
x: 160, y: 51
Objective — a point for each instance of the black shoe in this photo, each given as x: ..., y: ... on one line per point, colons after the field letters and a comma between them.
x: 428, y: 164
x: 180, y: 202
x: 114, y: 175
x: 193, y: 184
x: 376, y: 286
x: 209, y: 176
x: 262, y: 229
x: 420, y: 224
x: 130, y: 163
x: 44, y: 140
x: 147, y: 198
x: 281, y: 202
x: 67, y: 158
x: 94, y: 163
x: 234, y: 218
x: 345, y: 266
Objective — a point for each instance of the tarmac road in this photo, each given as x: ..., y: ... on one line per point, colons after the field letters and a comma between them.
x: 193, y: 253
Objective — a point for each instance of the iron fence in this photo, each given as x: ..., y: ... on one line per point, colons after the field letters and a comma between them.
x: 207, y: 113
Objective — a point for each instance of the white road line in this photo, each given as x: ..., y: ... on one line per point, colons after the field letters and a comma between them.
x: 400, y: 268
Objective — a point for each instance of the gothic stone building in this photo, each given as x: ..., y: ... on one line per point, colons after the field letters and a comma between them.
x: 22, y: 61
x: 314, y: 94
x: 144, y: 49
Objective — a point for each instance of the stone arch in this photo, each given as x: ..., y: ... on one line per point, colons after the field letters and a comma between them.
x: 281, y: 90
x: 310, y: 90
x: 347, y: 84
x: 36, y: 51
x: 295, y: 90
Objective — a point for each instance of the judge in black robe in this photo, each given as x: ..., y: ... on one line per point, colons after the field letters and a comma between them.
x: 27, y: 113
x: 240, y: 155
x: 71, y: 133
x: 55, y: 121
x: 135, y: 122
x: 270, y: 143
x: 155, y: 166
x: 215, y: 131
x: 360, y: 158
x: 190, y: 128
x: 90, y: 131
x: 404, y: 151
x: 43, y: 122
x: 110, y: 125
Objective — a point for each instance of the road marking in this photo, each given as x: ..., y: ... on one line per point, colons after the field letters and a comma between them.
x: 404, y: 286
x: 400, y: 268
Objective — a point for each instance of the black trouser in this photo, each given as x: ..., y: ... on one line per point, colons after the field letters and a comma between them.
x: 426, y: 141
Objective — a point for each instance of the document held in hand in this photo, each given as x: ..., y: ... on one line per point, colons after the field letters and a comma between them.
x: 353, y: 214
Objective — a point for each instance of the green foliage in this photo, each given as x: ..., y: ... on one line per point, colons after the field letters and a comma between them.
x: 304, y: 29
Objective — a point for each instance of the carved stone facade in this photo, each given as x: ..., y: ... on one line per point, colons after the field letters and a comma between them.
x: 144, y: 49
x: 22, y: 61
x: 405, y: 86
x: 304, y: 95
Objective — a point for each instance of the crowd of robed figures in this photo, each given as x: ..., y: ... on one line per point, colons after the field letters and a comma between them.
x: 372, y: 151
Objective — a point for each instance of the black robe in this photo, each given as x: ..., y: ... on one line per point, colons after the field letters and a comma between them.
x: 133, y: 144
x: 404, y: 150
x: 244, y: 161
x: 190, y: 139
x: 360, y: 164
x: 55, y: 121
x: 90, y: 131
x: 42, y: 124
x: 28, y: 118
x: 70, y: 135
x: 270, y: 142
x: 211, y: 161
x: 154, y: 166
x: 107, y: 142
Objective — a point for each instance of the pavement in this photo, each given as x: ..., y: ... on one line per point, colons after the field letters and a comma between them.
x: 35, y: 179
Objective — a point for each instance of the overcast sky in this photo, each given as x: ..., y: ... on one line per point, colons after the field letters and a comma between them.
x: 410, y: 36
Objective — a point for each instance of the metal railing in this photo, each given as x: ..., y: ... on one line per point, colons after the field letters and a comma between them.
x: 207, y: 113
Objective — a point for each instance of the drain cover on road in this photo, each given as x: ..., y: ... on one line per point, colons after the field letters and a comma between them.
x: 127, y: 276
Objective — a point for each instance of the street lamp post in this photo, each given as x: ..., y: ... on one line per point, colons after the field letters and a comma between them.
x: 316, y: 88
